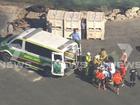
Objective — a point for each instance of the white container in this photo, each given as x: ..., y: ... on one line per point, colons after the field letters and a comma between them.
x: 72, y: 20
x: 56, y: 17
x: 95, y: 22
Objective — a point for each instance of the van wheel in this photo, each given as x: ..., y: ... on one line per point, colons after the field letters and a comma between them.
x: 6, y: 57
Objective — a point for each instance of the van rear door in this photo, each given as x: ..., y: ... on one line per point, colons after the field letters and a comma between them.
x: 58, y: 64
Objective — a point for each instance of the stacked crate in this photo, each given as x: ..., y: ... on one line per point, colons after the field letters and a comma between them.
x: 95, y: 25
x: 56, y: 17
x: 72, y: 20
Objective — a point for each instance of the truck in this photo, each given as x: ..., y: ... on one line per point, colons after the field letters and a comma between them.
x: 40, y: 49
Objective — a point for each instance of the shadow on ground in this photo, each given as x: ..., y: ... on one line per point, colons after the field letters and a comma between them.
x: 36, y: 23
x: 87, y: 77
x: 138, y: 48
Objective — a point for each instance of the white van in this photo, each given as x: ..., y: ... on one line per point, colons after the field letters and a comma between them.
x: 38, y: 48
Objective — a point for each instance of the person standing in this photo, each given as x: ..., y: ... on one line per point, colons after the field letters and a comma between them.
x: 49, y: 27
x: 100, y: 79
x: 133, y: 75
x: 97, y: 61
x: 124, y: 56
x: 83, y: 28
x: 88, y: 60
x: 123, y: 71
x: 117, y: 80
x: 76, y: 36
x: 103, y: 55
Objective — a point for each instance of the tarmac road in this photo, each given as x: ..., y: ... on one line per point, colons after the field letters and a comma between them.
x: 21, y: 87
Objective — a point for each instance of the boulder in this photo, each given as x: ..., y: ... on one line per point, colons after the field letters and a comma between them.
x: 131, y: 13
x: 111, y: 18
x: 120, y: 17
x: 135, y: 9
x: 116, y: 11
x: 138, y: 13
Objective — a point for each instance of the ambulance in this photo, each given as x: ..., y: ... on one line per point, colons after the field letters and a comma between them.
x: 41, y: 50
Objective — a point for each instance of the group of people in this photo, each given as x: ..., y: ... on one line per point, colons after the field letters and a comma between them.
x: 106, y: 73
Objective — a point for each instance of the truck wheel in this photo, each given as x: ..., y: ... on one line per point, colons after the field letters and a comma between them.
x: 6, y: 57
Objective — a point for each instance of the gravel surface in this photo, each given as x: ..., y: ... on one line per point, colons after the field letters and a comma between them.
x: 19, y: 88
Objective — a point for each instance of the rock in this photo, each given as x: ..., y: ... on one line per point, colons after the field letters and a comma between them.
x: 135, y: 9
x: 116, y: 11
x: 131, y: 13
x: 106, y: 17
x: 21, y: 13
x: 113, y: 14
x: 111, y: 18
x: 120, y: 17
x: 138, y: 13
x: 128, y: 12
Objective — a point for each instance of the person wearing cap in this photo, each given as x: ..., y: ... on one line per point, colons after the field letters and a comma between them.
x: 88, y: 60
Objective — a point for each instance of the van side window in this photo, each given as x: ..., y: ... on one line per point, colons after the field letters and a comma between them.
x: 41, y: 51
x: 17, y: 44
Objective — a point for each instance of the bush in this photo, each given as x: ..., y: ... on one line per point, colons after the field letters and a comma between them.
x: 85, y: 4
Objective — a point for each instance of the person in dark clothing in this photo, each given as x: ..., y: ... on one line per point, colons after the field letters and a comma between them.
x: 83, y: 28
x: 133, y: 75
x: 49, y: 27
x: 91, y: 72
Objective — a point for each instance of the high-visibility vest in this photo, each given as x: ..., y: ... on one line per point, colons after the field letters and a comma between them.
x: 88, y: 58
x: 117, y: 79
x: 100, y: 75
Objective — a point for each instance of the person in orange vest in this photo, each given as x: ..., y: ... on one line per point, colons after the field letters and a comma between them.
x: 101, y: 79
x: 117, y: 80
x: 123, y: 71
